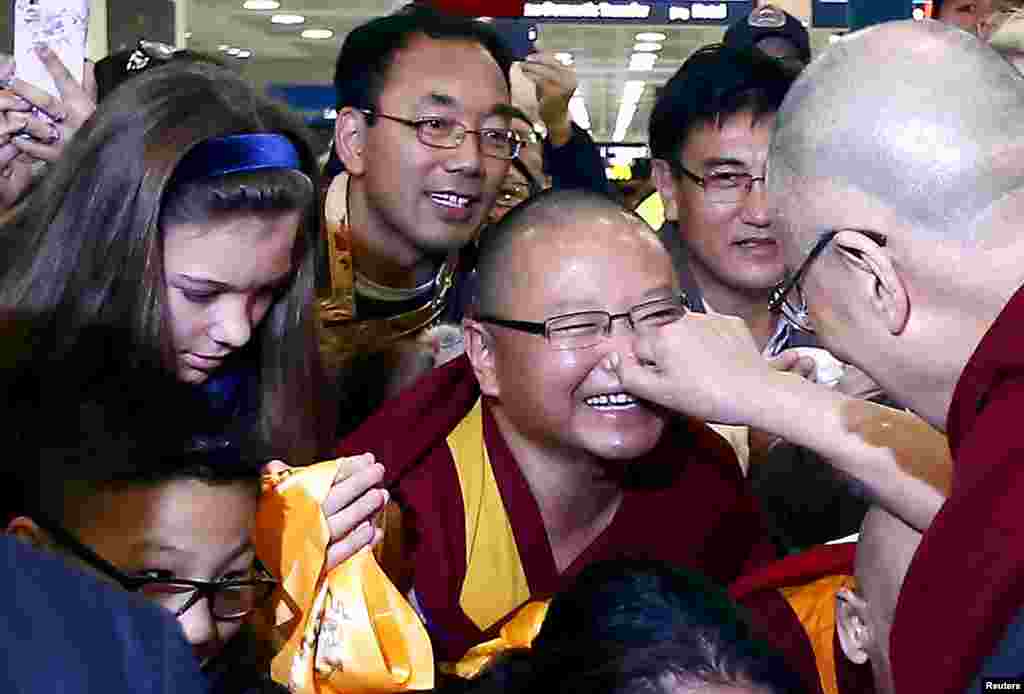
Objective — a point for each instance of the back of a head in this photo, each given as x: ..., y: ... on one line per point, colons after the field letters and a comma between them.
x: 641, y: 626
x: 79, y: 431
x: 713, y: 84
x: 919, y: 115
x: 550, y: 211
x: 368, y: 50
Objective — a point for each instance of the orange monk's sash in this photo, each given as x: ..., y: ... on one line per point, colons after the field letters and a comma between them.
x: 350, y: 631
x: 815, y: 606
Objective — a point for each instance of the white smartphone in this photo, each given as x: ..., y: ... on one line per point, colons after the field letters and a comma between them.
x: 60, y: 24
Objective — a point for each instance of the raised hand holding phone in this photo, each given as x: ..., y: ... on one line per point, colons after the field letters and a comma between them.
x: 60, y: 24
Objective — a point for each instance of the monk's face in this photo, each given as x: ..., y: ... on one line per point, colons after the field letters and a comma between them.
x: 564, y: 399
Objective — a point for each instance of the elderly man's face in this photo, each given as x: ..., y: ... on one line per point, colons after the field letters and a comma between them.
x: 565, y: 399
x: 805, y: 211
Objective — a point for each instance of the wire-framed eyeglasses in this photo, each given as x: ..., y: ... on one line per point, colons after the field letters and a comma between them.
x: 448, y: 133
x: 228, y: 600
x: 721, y: 186
x: 788, y: 295
x: 584, y: 329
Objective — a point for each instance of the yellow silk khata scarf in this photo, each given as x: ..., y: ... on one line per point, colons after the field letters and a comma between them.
x: 349, y: 631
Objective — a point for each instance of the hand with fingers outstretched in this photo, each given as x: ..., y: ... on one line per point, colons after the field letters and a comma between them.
x: 350, y: 506
x: 34, y: 124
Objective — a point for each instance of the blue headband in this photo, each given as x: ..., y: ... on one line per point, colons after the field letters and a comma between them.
x: 220, y: 156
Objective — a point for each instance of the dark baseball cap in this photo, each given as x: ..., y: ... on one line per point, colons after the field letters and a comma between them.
x: 769, y: 21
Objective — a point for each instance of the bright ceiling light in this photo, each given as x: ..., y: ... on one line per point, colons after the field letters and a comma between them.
x: 646, y: 47
x: 223, y: 47
x: 633, y: 90
x: 642, y: 61
x: 564, y: 58
x: 261, y: 4
x: 234, y: 51
x: 287, y: 19
x: 244, y: 54
x: 631, y: 94
x: 650, y: 36
x: 317, y: 34
x: 578, y: 112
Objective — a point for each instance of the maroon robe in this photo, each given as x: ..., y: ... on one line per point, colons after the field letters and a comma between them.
x: 967, y: 578
x: 701, y: 516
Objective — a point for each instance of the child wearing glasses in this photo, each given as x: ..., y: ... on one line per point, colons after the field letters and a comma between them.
x: 123, y: 488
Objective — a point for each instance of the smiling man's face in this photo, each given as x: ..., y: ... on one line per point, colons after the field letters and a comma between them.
x: 733, y: 246
x: 434, y: 198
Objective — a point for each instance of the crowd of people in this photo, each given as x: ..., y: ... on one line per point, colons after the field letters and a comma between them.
x: 762, y: 446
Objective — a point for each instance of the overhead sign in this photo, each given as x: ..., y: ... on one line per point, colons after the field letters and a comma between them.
x: 723, y: 12
x: 835, y: 14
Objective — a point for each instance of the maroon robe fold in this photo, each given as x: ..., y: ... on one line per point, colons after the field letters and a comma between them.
x: 967, y: 577
x: 702, y: 516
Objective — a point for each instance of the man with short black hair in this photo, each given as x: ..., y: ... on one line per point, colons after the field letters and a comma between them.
x: 425, y: 145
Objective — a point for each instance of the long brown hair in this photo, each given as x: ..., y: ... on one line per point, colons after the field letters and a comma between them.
x: 87, y: 249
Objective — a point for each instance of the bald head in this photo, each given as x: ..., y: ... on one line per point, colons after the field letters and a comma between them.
x: 921, y: 116
x: 551, y: 214
x: 884, y: 552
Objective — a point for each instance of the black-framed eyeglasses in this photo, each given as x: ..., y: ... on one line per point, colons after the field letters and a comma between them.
x: 228, y: 600
x: 447, y: 133
x: 724, y: 186
x: 587, y: 328
x: 788, y: 296
x: 146, y: 52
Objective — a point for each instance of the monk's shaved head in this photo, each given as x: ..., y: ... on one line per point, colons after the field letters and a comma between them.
x: 919, y: 115
x: 547, y: 213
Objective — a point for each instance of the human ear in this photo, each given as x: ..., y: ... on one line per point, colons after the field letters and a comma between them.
x: 26, y: 530
x: 666, y: 184
x: 855, y: 636
x: 881, y: 282
x: 480, y: 350
x: 350, y: 140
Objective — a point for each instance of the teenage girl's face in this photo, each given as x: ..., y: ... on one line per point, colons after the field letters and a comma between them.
x: 181, y: 529
x: 221, y: 277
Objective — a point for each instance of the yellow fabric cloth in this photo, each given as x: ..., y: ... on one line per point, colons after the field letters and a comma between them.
x: 495, y: 582
x: 815, y: 606
x: 518, y: 632
x: 652, y: 209
x: 350, y: 631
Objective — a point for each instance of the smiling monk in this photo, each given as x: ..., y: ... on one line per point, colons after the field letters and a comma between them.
x: 525, y: 460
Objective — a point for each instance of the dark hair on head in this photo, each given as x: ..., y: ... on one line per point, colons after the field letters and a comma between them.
x: 368, y: 51
x: 551, y: 207
x: 714, y: 84
x: 111, y: 72
x: 87, y: 249
x: 77, y: 431
x: 640, y: 626
x: 937, y: 8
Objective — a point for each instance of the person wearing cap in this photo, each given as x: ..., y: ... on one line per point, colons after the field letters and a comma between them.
x: 774, y: 32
